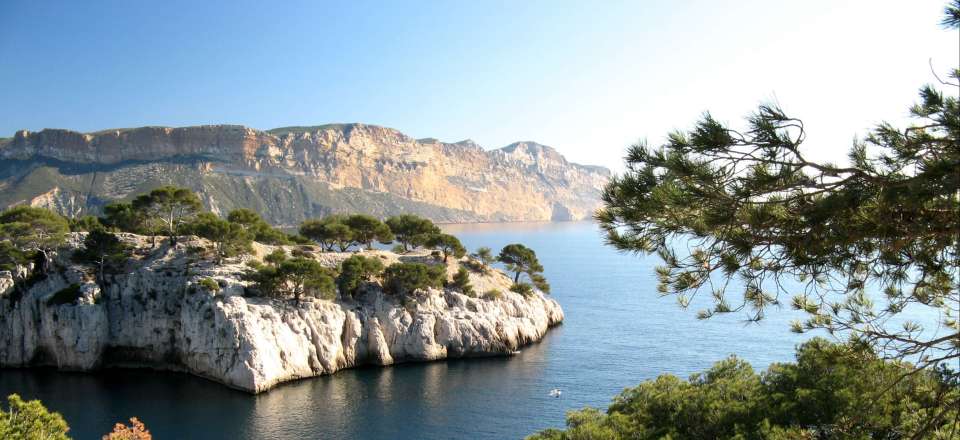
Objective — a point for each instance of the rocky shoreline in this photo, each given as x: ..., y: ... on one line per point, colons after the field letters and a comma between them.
x: 154, y: 315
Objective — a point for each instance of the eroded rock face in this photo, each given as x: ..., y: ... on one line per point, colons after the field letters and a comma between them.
x: 310, y: 170
x: 155, y: 316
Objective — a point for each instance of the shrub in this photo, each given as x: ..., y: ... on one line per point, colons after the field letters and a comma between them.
x: 356, y: 270
x: 492, y: 294
x: 30, y: 421
x: 67, y: 295
x: 522, y: 288
x: 461, y: 282
x: 406, y: 278
x: 398, y: 249
x: 209, y: 284
x: 831, y: 391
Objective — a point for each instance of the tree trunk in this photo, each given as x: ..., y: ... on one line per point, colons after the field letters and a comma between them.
x: 516, y: 278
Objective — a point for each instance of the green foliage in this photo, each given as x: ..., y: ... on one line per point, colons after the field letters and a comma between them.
x: 30, y: 420
x: 522, y: 288
x: 366, y: 229
x: 103, y: 249
x: 11, y: 256
x: 122, y: 217
x: 411, y: 230
x: 259, y: 230
x: 329, y: 231
x: 209, y: 284
x: 461, y: 282
x: 33, y: 230
x: 750, y: 206
x: 86, y: 223
x: 231, y: 239
x: 492, y: 294
x: 407, y: 278
x: 355, y: 271
x: 67, y: 295
x: 276, y: 257
x: 485, y: 256
x: 447, y: 244
x: 166, y: 209
x: 305, y: 276
x: 831, y: 391
x: 296, y: 277
x: 520, y: 259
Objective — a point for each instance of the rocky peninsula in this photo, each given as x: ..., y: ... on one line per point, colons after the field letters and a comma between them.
x: 158, y: 314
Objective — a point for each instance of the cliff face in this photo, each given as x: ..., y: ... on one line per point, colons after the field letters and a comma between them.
x: 154, y: 316
x: 297, y: 172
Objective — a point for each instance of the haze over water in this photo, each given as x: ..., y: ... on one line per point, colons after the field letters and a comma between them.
x: 617, y: 333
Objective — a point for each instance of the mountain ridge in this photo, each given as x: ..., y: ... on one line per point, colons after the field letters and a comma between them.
x: 296, y: 172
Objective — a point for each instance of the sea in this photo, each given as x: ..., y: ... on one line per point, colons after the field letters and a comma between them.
x: 618, y: 332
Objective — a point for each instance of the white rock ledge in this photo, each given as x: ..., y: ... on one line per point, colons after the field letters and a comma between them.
x: 151, y: 317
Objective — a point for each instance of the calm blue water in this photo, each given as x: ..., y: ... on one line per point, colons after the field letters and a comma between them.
x: 617, y: 333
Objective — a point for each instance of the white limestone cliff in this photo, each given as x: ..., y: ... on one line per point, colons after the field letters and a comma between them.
x: 154, y: 316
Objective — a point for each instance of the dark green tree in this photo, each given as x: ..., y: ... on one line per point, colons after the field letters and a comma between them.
x: 832, y: 391
x: 276, y: 257
x: 355, y: 271
x: 366, y: 229
x: 411, y: 230
x: 167, y: 208
x: 329, y: 232
x: 304, y: 276
x: 407, y: 278
x: 121, y: 216
x: 85, y: 223
x: 461, y: 282
x: 34, y: 231
x: 520, y: 259
x: 231, y: 239
x: 106, y: 251
x: 260, y: 230
x: 754, y: 214
x: 30, y: 420
x: 447, y: 244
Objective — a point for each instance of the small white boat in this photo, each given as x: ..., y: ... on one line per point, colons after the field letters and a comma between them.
x: 555, y: 392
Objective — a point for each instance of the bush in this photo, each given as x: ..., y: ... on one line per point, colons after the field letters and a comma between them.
x: 30, y: 421
x: 461, y: 282
x: 398, y: 249
x: 406, y: 278
x: 356, y: 270
x: 492, y: 294
x: 67, y: 295
x: 209, y: 284
x: 447, y: 245
x: 522, y: 288
x: 831, y: 391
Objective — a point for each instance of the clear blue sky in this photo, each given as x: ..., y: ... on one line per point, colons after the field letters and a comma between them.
x: 588, y: 78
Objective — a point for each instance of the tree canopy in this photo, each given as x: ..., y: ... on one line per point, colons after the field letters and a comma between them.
x: 355, y: 271
x: 366, y: 229
x: 831, y: 391
x: 447, y: 244
x: 230, y: 238
x: 852, y: 244
x: 30, y: 420
x: 407, y: 278
x: 33, y: 230
x: 411, y: 230
x: 167, y: 208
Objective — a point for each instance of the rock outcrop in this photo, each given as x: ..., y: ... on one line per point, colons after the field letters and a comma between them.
x: 292, y: 173
x: 155, y: 316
